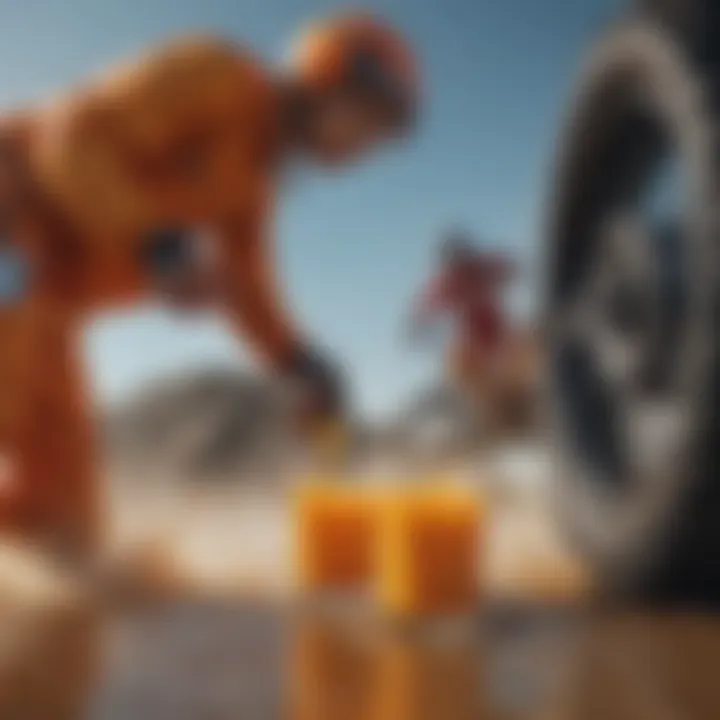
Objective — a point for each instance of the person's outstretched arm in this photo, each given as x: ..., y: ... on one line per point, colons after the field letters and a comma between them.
x: 259, y: 313
x: 254, y: 301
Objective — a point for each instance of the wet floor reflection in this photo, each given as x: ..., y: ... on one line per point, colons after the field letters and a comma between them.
x: 516, y: 664
x: 331, y: 669
x: 649, y: 667
x: 50, y: 663
x: 341, y: 670
x: 498, y: 665
x: 421, y: 678
x: 190, y: 660
x: 533, y: 656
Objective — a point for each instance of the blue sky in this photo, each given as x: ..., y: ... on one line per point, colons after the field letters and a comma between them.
x: 352, y: 247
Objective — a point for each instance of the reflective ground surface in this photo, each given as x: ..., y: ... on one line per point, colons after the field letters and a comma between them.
x: 251, y: 661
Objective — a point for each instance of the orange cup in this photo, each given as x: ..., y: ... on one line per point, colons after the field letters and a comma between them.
x: 428, y: 550
x: 335, y: 535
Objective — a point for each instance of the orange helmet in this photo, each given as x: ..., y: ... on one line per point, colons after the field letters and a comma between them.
x: 360, y: 52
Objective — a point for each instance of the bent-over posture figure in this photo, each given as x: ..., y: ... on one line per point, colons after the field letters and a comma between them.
x: 159, y: 178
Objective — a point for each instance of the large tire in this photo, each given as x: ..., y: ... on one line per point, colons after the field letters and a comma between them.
x: 646, y: 513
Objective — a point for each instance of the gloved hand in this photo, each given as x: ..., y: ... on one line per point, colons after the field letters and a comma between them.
x: 320, y: 385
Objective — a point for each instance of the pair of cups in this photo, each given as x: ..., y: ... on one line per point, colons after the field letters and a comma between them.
x: 416, y: 547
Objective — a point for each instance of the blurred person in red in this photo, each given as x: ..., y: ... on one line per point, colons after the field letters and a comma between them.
x: 158, y: 179
x: 469, y: 287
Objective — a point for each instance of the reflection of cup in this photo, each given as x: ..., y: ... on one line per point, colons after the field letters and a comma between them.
x: 428, y: 550
x: 421, y: 680
x: 49, y: 646
x: 331, y: 671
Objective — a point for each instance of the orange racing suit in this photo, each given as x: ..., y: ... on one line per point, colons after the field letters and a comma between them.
x: 186, y: 136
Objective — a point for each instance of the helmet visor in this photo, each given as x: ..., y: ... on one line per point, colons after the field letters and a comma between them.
x: 368, y: 75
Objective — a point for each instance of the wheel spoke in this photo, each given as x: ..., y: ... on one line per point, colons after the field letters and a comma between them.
x: 655, y: 428
x: 591, y: 412
x: 618, y: 359
x: 575, y: 322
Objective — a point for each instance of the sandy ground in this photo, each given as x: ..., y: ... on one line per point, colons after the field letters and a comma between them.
x: 231, y: 540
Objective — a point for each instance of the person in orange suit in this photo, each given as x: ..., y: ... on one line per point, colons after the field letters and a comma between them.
x: 159, y: 178
x: 469, y: 287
